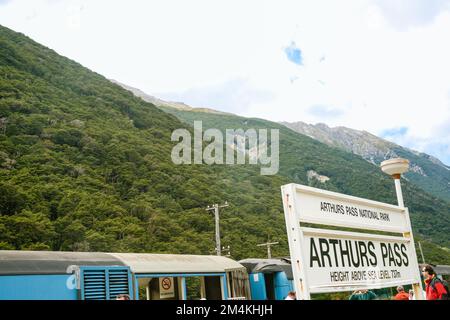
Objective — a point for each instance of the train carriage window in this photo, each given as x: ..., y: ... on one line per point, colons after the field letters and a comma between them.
x: 154, y: 292
x: 238, y: 284
x: 213, y: 288
x: 193, y: 288
x: 143, y: 291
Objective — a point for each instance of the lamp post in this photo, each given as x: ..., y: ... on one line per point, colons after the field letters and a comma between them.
x: 395, y: 168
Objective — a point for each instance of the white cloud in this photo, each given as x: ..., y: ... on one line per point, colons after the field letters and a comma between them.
x: 381, y: 63
x: 73, y: 18
x: 403, y: 14
x: 232, y: 96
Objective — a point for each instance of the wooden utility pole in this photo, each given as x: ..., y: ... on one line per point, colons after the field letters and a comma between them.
x: 216, y: 207
x: 268, y: 244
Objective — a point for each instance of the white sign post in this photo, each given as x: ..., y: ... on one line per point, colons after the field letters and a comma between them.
x: 166, y: 288
x: 325, y: 260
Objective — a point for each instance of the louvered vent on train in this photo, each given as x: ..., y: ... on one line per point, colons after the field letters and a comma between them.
x: 105, y: 283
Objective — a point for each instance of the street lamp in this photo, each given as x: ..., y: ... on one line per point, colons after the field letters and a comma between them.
x: 395, y: 168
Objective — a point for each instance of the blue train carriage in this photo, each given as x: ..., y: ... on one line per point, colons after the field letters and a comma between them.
x: 48, y: 275
x: 270, y: 279
x: 165, y: 276
x: 44, y: 275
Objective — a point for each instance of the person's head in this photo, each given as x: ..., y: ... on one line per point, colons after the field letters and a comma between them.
x: 400, y: 289
x: 428, y: 272
x: 122, y: 297
x: 362, y: 291
x: 292, y: 294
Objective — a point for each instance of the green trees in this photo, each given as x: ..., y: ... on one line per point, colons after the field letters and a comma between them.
x: 11, y: 200
x: 85, y: 166
x: 347, y: 173
x: 71, y: 137
x: 26, y: 231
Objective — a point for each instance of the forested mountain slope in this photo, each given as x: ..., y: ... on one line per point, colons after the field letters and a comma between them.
x: 85, y: 165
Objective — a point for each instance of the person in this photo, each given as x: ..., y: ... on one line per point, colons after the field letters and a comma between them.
x: 401, y: 294
x: 435, y: 288
x: 412, y: 296
x: 291, y: 296
x: 363, y: 295
x: 122, y: 297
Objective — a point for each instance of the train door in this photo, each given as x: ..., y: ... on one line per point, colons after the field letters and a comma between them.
x: 282, y: 285
x: 270, y: 286
x: 257, y: 286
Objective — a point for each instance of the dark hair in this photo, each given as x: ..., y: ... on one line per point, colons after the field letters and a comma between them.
x: 429, y: 269
x: 124, y: 296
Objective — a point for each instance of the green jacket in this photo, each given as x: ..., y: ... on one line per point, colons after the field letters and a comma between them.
x: 369, y: 295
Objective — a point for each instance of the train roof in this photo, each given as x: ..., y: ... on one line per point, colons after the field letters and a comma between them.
x: 177, y: 263
x: 268, y: 266
x: 51, y: 262
x: 57, y: 262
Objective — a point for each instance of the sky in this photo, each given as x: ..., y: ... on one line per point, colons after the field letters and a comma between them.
x: 377, y: 65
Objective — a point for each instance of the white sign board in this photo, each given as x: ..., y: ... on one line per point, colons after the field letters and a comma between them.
x: 166, y: 288
x: 326, y: 207
x: 332, y: 260
x: 346, y: 261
